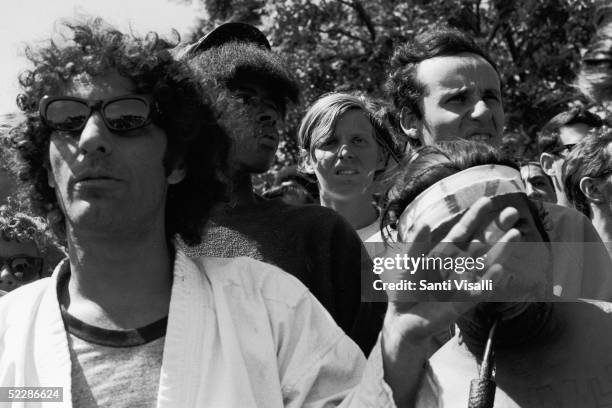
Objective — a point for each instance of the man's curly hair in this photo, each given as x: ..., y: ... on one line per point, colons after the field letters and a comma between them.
x: 19, y: 227
x: 95, y: 48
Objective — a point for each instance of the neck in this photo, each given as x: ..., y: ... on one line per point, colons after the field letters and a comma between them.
x: 358, y: 210
x: 561, y: 197
x: 602, y: 222
x: 119, y: 280
x: 242, y: 189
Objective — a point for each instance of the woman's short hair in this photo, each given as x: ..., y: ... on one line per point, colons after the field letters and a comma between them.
x: 320, y: 121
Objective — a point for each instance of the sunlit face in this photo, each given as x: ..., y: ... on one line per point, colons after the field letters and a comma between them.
x: 8, y: 280
x: 106, y: 181
x: 537, y: 183
x: 462, y: 99
x: 345, y: 163
x: 252, y: 121
x: 568, y: 136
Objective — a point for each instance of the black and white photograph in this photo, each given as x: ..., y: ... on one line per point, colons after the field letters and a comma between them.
x: 306, y: 203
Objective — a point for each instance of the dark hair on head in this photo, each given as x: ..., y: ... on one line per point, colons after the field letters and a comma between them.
x: 23, y: 228
x: 402, y: 85
x: 548, y: 138
x: 194, y: 139
x: 589, y: 158
x: 430, y: 164
x: 234, y: 62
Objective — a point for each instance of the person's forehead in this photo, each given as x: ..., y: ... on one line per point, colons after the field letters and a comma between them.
x: 103, y: 86
x: 572, y: 134
x: 451, y: 72
x: 355, y: 120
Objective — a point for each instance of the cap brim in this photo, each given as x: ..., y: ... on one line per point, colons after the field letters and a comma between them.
x: 229, y: 32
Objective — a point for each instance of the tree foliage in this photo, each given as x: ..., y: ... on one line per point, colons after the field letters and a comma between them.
x: 346, y: 44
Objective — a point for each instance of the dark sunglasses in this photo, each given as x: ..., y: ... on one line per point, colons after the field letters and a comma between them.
x: 23, y: 268
x: 121, y: 114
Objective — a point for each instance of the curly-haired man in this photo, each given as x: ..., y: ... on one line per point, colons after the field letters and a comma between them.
x: 312, y: 243
x: 28, y: 250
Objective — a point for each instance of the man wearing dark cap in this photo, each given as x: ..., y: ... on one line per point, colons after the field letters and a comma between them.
x: 252, y: 90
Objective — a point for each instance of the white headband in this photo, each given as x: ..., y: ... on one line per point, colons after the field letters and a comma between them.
x: 454, y: 194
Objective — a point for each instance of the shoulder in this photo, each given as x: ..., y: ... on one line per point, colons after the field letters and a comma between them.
x: 567, y: 224
x: 19, y: 303
x: 252, y: 278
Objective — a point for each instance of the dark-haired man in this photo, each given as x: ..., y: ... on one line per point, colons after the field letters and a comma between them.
x: 313, y: 243
x: 556, y: 140
x: 444, y: 86
x: 538, y: 185
x: 587, y: 176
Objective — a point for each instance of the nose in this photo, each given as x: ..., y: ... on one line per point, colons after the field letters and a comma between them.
x: 268, y: 116
x: 345, y: 152
x: 95, y: 136
x: 531, y: 192
x: 481, y: 110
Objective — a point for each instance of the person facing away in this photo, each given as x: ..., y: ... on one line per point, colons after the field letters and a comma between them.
x: 557, y: 138
x: 254, y: 89
x: 586, y: 176
x: 445, y: 87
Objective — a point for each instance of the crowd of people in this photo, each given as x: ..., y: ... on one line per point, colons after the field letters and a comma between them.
x: 140, y: 267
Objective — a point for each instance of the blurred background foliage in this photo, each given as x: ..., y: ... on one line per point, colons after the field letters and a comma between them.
x: 334, y: 45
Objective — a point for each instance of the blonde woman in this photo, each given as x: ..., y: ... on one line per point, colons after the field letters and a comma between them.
x: 346, y: 145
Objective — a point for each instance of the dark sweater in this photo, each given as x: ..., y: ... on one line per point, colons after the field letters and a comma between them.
x: 312, y: 243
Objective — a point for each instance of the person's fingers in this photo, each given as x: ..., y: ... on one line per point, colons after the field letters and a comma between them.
x: 471, y: 221
x: 500, y: 224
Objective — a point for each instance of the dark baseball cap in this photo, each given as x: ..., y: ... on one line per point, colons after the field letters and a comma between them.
x: 225, y: 33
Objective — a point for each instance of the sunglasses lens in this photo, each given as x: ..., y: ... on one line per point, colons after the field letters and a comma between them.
x: 66, y: 115
x: 25, y: 268
x: 126, y: 114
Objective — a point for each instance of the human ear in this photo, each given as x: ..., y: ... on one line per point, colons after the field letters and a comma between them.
x: 178, y: 173
x: 546, y: 162
x: 591, y: 188
x: 305, y: 162
x: 409, y: 123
